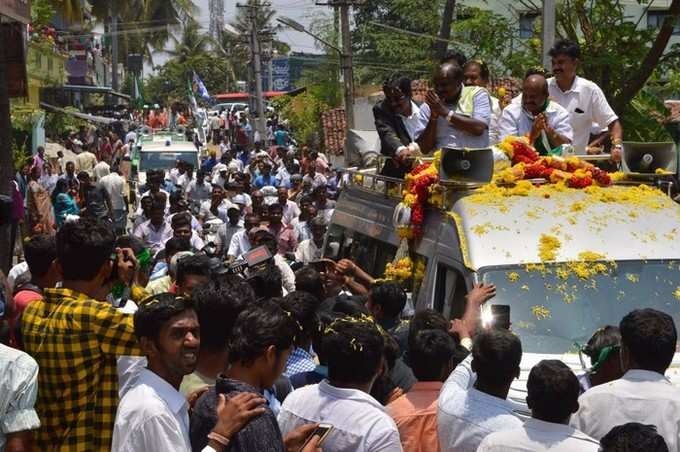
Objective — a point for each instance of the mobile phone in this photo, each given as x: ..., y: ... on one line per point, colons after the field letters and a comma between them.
x: 323, y: 430
x: 501, y: 316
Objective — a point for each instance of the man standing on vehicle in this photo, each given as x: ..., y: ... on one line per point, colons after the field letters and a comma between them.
x: 583, y: 99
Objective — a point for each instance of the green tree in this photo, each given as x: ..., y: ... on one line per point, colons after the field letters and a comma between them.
x: 171, y: 83
x: 303, y: 112
x: 191, y: 42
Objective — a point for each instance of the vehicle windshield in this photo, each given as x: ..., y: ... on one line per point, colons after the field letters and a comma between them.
x: 554, y: 307
x: 165, y: 160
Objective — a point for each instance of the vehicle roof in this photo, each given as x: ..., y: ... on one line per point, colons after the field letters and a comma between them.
x: 504, y: 226
x: 157, y: 143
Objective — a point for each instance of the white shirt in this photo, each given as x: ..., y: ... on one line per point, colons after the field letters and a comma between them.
x: 360, y: 422
x: 152, y: 416
x: 226, y: 232
x: 539, y: 436
x: 131, y: 136
x: 239, y: 244
x: 449, y: 136
x: 114, y: 185
x: 287, y: 274
x: 319, y: 180
x: 307, y: 252
x: 198, y: 192
x: 465, y: 416
x: 586, y: 104
x: 496, y: 111
x: 18, y: 391
x: 100, y: 170
x: 15, y: 272
x: 639, y: 396
x: 290, y: 212
x: 516, y: 121
x: 153, y: 238
x: 206, y: 214
x: 416, y: 123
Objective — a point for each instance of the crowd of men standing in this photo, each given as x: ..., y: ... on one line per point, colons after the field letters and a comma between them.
x: 127, y: 329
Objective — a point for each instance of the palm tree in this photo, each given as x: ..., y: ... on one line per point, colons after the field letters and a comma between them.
x: 191, y: 42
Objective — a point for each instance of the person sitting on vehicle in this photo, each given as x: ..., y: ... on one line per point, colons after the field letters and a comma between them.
x: 603, y: 349
x: 643, y: 394
x: 545, y: 122
x: 631, y: 437
x: 415, y: 413
x: 552, y: 397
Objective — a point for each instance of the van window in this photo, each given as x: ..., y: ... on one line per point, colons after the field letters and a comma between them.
x: 372, y: 255
x: 450, y: 292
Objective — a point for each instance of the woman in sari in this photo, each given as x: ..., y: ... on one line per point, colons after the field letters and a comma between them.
x: 40, y: 216
x: 64, y: 202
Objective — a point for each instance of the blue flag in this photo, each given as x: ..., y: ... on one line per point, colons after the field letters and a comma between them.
x: 200, y: 88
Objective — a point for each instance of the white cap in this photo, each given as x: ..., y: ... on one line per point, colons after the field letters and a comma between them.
x: 239, y: 199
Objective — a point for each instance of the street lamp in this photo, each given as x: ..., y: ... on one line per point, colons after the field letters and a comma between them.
x: 345, y: 58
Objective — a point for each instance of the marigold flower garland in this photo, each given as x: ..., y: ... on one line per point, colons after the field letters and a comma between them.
x: 421, y: 190
x: 528, y: 164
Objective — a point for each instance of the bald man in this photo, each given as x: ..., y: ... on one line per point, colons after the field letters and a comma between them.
x: 545, y: 122
x: 461, y: 114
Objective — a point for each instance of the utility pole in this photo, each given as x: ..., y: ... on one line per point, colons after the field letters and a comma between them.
x: 261, y: 124
x: 114, y: 52
x: 347, y: 69
x: 445, y: 31
x: 548, y: 30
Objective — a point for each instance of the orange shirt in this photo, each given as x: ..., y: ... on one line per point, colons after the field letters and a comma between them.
x: 415, y: 414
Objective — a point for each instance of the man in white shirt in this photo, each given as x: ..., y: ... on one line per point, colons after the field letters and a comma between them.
x: 291, y: 211
x: 584, y: 100
x: 153, y: 415
x: 156, y: 231
x: 552, y: 396
x: 215, y: 207
x: 473, y: 401
x: 240, y: 241
x: 461, y: 113
x: 19, y: 383
x: 354, y: 352
x: 199, y: 189
x: 643, y: 394
x: 114, y: 184
x: 227, y: 230
x: 544, y: 121
x: 310, y: 250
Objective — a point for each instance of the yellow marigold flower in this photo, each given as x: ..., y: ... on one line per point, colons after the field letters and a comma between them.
x: 548, y: 247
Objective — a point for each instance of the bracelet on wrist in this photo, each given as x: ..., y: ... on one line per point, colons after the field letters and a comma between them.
x: 223, y: 440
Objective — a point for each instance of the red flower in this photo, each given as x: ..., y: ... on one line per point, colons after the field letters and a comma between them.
x: 580, y: 182
x: 601, y: 177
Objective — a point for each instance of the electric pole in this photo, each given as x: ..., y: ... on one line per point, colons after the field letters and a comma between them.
x: 261, y: 124
x: 548, y: 31
x: 346, y: 60
x: 114, y: 52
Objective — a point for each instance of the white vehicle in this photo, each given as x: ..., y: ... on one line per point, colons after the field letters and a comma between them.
x: 161, y: 151
x: 613, y: 250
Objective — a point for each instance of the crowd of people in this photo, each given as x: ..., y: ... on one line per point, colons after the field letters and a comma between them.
x: 145, y: 326
x: 226, y: 361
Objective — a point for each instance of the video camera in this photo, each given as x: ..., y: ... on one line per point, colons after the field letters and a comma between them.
x: 253, y: 260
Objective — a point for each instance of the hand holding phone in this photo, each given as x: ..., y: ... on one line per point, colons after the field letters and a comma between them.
x: 316, y: 439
